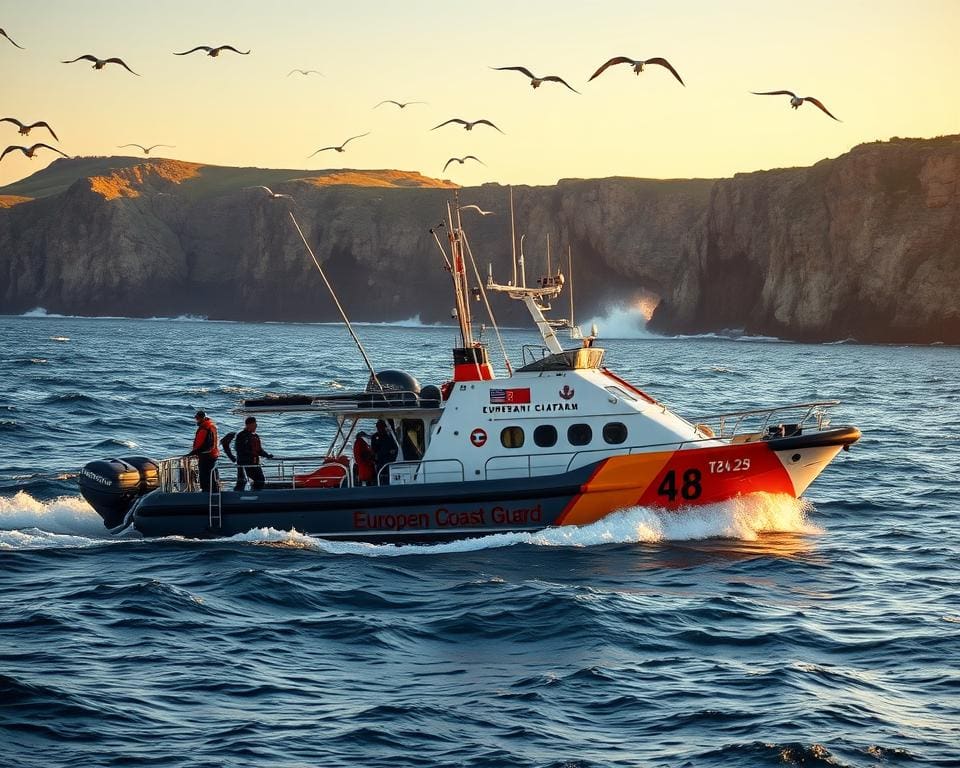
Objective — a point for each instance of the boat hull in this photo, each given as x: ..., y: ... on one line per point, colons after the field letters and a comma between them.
x: 672, y: 479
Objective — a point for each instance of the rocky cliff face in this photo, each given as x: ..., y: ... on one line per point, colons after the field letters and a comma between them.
x: 865, y: 246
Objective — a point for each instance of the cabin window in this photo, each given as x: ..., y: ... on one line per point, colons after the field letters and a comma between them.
x: 579, y: 434
x: 545, y: 435
x: 614, y: 433
x: 512, y: 437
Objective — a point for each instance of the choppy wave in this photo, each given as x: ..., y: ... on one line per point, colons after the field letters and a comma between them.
x: 736, y: 634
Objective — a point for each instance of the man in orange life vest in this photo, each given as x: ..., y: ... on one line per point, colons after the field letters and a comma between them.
x: 205, y: 448
x: 364, y: 460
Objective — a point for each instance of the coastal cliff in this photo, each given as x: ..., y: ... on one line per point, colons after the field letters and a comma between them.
x: 863, y: 246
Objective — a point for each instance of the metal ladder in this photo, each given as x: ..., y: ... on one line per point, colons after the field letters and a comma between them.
x: 214, y: 509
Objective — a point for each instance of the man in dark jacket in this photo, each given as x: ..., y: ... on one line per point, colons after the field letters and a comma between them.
x: 249, y: 451
x: 384, y: 446
x: 205, y: 448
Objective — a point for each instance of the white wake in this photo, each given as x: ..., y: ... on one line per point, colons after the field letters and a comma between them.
x: 69, y: 521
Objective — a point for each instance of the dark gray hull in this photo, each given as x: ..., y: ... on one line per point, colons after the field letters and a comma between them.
x: 410, y: 513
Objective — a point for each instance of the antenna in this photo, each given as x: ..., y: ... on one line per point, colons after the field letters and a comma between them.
x: 570, y: 272
x: 460, y: 282
x: 513, y: 239
x: 336, y: 301
x: 523, y: 264
x: 549, y: 273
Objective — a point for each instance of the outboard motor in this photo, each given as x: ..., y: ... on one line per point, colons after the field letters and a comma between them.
x: 111, y: 486
x: 149, y: 472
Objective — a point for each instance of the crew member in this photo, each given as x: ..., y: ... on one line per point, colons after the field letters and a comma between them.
x: 249, y: 451
x: 205, y: 448
x: 364, y: 460
x: 384, y: 447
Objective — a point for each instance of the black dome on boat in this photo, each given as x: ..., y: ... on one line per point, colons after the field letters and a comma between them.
x: 394, y: 381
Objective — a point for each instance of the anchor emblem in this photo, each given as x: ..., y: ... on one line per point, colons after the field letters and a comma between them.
x: 566, y: 393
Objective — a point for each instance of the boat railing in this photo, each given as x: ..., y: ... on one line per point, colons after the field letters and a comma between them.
x: 761, y: 423
x: 180, y: 474
x: 506, y: 466
x: 534, y: 353
x: 347, y: 402
x: 737, y: 426
x: 422, y: 472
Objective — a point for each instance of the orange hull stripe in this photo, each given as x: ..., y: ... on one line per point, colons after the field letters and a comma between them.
x: 617, y: 483
x: 699, y: 476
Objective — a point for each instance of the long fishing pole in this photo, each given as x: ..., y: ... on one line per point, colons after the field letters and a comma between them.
x: 336, y: 301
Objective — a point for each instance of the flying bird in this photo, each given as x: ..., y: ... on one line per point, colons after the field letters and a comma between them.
x: 273, y: 195
x: 462, y: 159
x: 341, y: 147
x: 638, y: 65
x: 796, y: 101
x: 400, y: 104
x: 146, y: 150
x: 213, y: 51
x: 301, y: 71
x: 536, y: 81
x: 25, y: 129
x: 467, y: 125
x: 3, y: 32
x: 477, y: 208
x: 31, y: 151
x: 100, y: 63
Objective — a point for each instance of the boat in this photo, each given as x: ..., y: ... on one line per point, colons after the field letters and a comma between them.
x: 561, y: 440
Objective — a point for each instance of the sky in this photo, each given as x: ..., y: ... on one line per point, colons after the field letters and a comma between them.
x: 884, y: 68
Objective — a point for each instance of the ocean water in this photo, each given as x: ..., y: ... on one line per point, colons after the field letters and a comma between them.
x: 761, y: 632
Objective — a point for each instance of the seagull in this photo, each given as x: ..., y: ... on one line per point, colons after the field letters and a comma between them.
x: 213, y: 51
x: 146, y: 150
x: 477, y: 208
x: 273, y: 195
x: 31, y: 151
x: 341, y: 147
x: 25, y: 129
x: 3, y: 32
x: 100, y: 63
x: 638, y: 65
x: 400, y: 104
x: 796, y: 101
x: 467, y: 126
x: 461, y: 160
x: 536, y: 81
x: 301, y: 71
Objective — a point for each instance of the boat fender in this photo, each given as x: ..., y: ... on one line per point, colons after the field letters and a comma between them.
x: 431, y: 396
x: 225, y: 443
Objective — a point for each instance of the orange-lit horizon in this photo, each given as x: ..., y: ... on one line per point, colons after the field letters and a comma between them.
x: 884, y: 69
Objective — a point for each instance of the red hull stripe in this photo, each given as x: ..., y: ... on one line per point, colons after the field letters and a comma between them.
x: 674, y: 479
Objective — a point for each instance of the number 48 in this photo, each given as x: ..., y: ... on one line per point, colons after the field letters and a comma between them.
x: 689, y: 490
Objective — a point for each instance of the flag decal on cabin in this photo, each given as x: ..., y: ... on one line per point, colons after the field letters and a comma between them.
x: 520, y: 395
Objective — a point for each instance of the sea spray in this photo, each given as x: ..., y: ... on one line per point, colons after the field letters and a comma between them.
x: 68, y: 515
